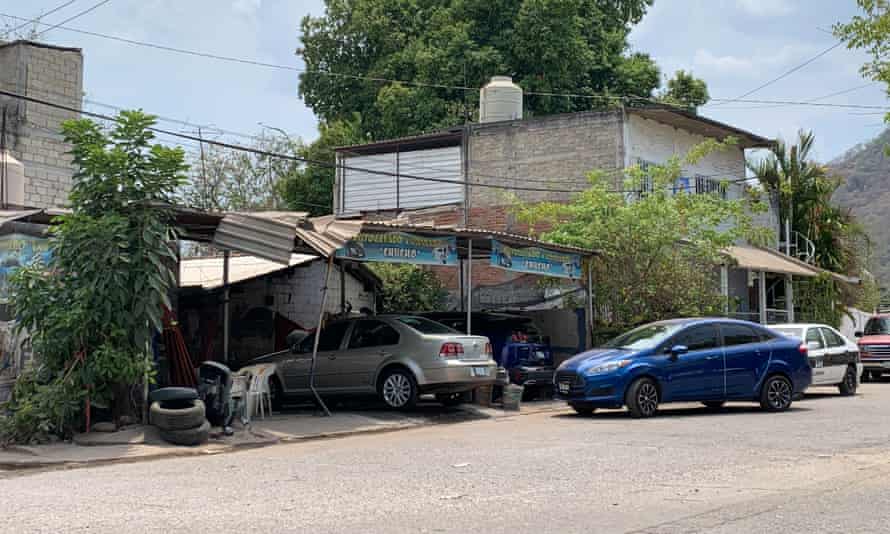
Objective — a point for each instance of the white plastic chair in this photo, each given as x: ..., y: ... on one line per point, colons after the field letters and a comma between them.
x: 258, y: 389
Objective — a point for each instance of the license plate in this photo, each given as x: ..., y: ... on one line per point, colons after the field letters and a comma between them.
x: 564, y: 387
x: 818, y: 364
x: 480, y: 371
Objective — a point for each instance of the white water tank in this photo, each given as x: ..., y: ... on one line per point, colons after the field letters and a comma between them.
x: 500, y: 100
x: 12, y: 173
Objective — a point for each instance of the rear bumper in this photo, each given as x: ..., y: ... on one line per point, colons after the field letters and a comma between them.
x: 458, y: 376
x: 532, y: 376
x: 876, y: 364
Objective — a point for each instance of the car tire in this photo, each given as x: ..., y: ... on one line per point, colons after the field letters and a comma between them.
x: 641, y: 398
x: 450, y: 400
x: 189, y: 436
x: 848, y: 386
x: 777, y: 394
x: 276, y: 393
x: 177, y: 415
x: 585, y: 410
x: 876, y: 376
x: 714, y: 405
x: 398, y: 389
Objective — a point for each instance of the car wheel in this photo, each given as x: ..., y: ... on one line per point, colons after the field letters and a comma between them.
x: 777, y: 393
x: 714, y: 405
x: 642, y: 398
x: 276, y: 393
x: 451, y: 399
x: 398, y: 389
x: 582, y: 409
x: 848, y: 386
x: 876, y: 376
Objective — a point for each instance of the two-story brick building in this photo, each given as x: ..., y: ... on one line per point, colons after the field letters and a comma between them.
x: 550, y: 157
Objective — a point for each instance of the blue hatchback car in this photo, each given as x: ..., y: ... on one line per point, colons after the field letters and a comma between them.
x: 704, y: 360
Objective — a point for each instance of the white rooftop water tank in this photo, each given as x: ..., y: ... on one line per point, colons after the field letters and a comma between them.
x: 500, y: 100
x: 12, y: 172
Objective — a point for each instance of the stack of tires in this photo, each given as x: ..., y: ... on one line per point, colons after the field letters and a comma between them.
x: 181, y: 418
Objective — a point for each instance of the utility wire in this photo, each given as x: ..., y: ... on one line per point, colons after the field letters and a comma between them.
x: 48, y: 13
x: 73, y: 17
x: 785, y: 74
x: 810, y: 101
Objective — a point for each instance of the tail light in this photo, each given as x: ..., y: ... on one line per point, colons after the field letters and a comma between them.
x: 803, y: 349
x: 451, y: 350
x: 488, y: 351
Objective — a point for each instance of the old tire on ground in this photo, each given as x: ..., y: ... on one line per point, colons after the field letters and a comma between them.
x: 582, y: 409
x: 641, y: 398
x: 451, y: 399
x: 714, y: 405
x: 847, y: 387
x: 188, y: 437
x: 172, y: 394
x: 777, y: 394
x: 181, y: 415
x: 398, y: 389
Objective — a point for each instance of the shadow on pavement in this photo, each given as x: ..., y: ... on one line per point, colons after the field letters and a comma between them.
x: 680, y: 412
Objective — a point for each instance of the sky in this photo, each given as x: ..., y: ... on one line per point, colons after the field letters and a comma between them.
x: 734, y: 45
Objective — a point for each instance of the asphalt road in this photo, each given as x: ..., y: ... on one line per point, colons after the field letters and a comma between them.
x: 822, y: 467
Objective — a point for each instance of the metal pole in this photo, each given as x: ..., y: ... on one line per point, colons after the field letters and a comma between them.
x: 590, y: 302
x: 789, y: 298
x: 226, y: 254
x: 724, y: 288
x: 342, y: 288
x: 469, y: 286
x: 761, y: 296
x: 324, y: 298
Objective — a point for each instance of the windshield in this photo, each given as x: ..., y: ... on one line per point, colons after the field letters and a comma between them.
x: 789, y: 331
x: 877, y: 326
x: 644, y: 337
x: 425, y: 326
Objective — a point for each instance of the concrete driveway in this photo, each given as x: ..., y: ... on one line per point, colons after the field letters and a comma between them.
x: 822, y: 467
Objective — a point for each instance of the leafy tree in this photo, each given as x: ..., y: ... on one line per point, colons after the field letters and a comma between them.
x: 554, y: 46
x: 408, y: 288
x: 685, y: 90
x: 93, y: 309
x: 870, y: 31
x: 660, y: 249
x: 311, y: 187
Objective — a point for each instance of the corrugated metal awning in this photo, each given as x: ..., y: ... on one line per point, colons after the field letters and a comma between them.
x: 268, y: 234
x: 772, y: 261
x: 208, y: 272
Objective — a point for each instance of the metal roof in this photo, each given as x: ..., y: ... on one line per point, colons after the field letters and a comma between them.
x: 208, y: 272
x: 692, y: 122
x: 765, y: 259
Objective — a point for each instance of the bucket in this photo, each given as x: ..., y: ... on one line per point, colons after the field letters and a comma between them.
x: 512, y: 396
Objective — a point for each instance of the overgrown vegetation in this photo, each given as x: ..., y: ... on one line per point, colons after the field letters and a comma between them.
x: 660, y: 248
x: 408, y: 288
x: 93, y: 310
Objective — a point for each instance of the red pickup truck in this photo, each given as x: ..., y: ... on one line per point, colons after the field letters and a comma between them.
x: 874, y: 346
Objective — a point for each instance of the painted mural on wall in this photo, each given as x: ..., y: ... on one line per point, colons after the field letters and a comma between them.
x: 19, y: 250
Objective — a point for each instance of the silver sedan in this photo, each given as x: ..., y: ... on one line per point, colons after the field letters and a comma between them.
x: 397, y: 357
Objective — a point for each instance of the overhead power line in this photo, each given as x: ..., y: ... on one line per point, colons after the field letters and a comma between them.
x: 48, y: 13
x: 811, y: 100
x: 786, y: 73
x: 73, y: 17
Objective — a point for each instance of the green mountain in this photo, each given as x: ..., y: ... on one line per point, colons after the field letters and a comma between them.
x: 866, y: 192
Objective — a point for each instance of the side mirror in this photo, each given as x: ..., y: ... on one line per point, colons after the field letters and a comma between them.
x: 677, y: 350
x: 813, y: 345
x: 858, y: 333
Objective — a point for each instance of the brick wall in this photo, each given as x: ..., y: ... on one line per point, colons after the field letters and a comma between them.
x: 49, y: 73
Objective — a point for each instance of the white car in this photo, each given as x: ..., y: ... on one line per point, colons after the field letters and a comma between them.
x: 834, y: 358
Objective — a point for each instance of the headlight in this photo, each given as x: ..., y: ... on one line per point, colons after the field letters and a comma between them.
x: 607, y: 367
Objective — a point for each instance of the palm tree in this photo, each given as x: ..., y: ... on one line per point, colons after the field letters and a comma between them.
x: 804, y: 188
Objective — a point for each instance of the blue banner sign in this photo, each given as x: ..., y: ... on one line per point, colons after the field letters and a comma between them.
x: 19, y: 250
x: 399, y: 247
x: 535, y: 260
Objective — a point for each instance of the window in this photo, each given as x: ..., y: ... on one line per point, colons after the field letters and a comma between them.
x: 372, y: 334
x: 738, y: 334
x: 877, y: 326
x: 645, y: 337
x: 699, y: 338
x: 331, y: 337
x: 813, y: 336
x: 790, y: 331
x: 832, y: 339
x: 705, y: 186
x: 425, y: 326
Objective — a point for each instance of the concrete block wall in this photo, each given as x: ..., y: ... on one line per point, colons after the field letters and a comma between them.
x: 34, y: 130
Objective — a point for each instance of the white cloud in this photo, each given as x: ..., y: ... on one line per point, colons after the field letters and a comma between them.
x: 737, y: 66
x: 246, y: 7
x: 765, y: 8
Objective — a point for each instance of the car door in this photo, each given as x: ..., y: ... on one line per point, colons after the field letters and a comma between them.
x: 746, y: 359
x: 329, y: 344
x: 697, y: 374
x: 837, y: 357
x: 371, y: 341
x: 816, y: 352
